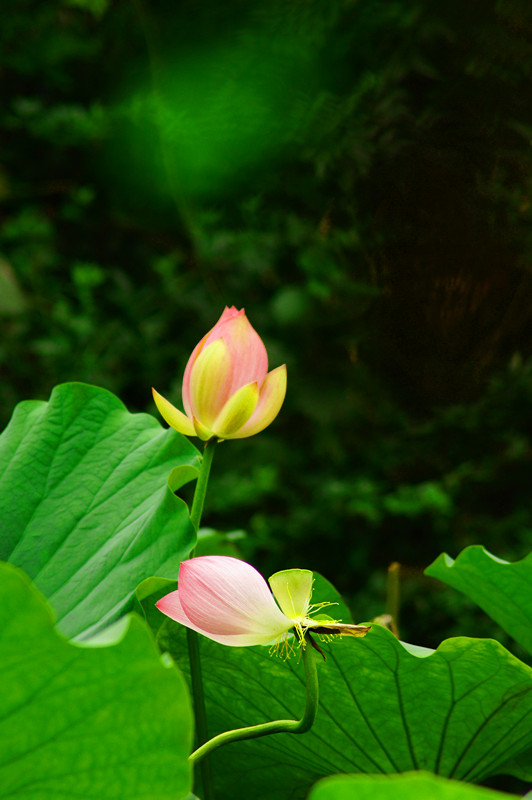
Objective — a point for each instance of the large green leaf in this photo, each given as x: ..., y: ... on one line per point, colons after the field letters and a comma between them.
x: 88, y: 722
x: 520, y: 766
x: 461, y: 711
x: 501, y: 588
x: 410, y: 786
x: 85, y: 508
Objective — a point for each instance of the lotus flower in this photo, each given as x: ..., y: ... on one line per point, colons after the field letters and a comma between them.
x: 227, y: 389
x: 228, y: 601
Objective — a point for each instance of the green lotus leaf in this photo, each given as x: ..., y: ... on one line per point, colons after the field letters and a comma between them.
x: 502, y: 589
x: 410, y: 786
x: 86, y: 721
x: 85, y: 507
x: 520, y: 766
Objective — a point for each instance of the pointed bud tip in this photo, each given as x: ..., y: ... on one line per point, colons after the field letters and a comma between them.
x: 230, y: 312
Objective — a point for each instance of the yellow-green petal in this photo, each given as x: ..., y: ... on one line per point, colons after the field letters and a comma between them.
x: 175, y: 418
x: 237, y: 411
x: 271, y: 397
x: 201, y: 431
x: 210, y: 382
x: 292, y: 588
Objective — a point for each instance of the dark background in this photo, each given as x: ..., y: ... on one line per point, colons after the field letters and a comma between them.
x: 358, y: 176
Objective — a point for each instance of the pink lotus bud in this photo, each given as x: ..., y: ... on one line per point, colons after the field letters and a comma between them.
x: 227, y: 389
x: 228, y: 601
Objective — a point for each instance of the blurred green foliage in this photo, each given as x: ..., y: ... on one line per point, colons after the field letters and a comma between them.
x: 358, y: 176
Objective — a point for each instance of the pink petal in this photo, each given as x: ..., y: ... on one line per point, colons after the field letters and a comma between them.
x: 271, y: 398
x: 248, y: 355
x: 225, y: 596
x: 170, y: 605
x: 228, y: 313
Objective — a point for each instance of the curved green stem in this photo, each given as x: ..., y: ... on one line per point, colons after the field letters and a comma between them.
x: 278, y: 726
x: 192, y: 636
